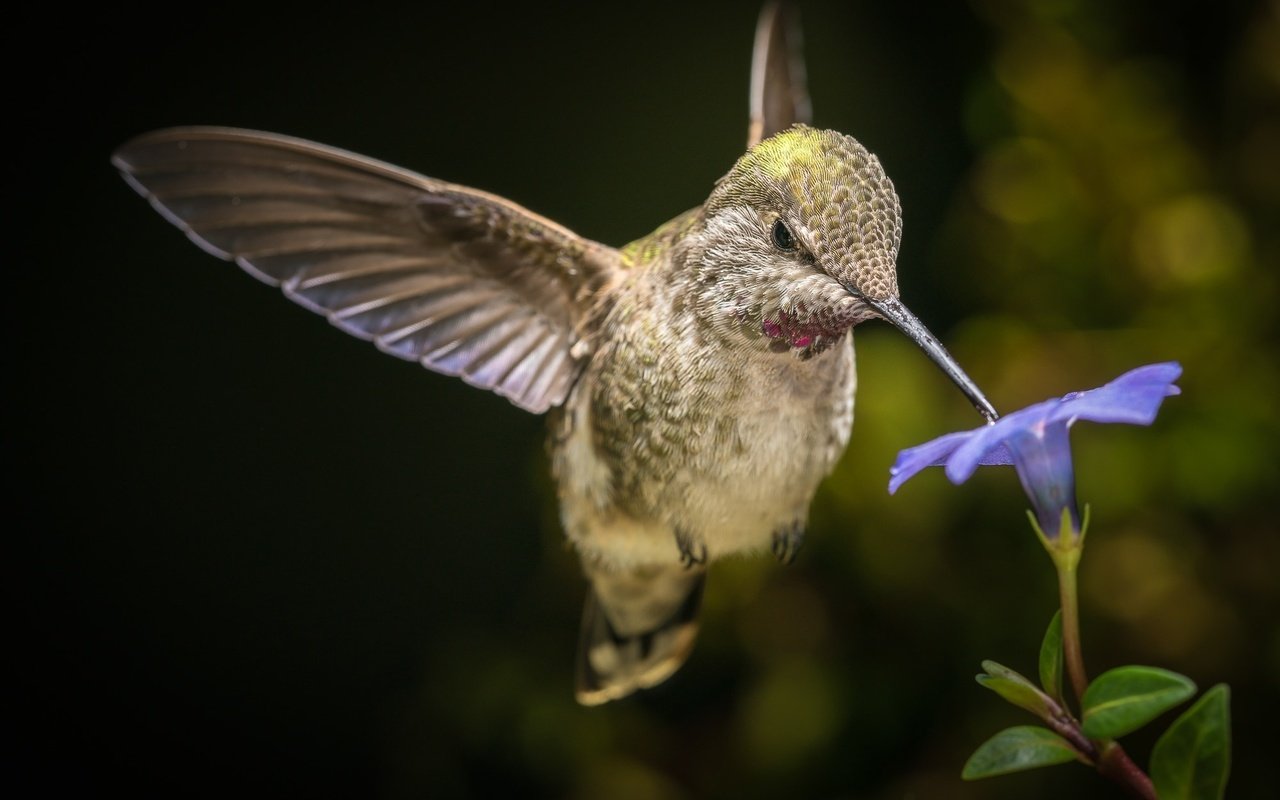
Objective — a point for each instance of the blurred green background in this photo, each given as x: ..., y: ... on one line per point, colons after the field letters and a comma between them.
x: 251, y: 555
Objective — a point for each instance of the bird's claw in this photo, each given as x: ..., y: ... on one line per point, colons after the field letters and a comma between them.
x: 691, y: 553
x: 787, y: 542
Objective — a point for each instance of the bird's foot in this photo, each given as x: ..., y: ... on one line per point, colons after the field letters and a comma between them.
x: 787, y: 542
x: 691, y: 553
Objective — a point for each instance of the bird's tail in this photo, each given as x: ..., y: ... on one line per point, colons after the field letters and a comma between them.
x: 638, y: 627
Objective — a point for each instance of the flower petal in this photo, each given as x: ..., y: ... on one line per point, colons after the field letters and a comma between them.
x: 1042, y: 459
x: 987, y: 444
x: 1133, y: 398
x: 930, y: 454
x: 999, y: 456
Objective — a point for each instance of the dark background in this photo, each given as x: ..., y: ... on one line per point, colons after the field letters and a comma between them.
x: 253, y: 556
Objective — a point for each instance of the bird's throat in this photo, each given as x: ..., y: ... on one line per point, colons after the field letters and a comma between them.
x: 811, y: 336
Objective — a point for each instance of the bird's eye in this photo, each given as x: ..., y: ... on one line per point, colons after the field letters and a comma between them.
x: 782, y: 238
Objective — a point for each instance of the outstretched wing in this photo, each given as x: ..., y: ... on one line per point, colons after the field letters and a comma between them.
x: 462, y: 281
x: 779, y: 96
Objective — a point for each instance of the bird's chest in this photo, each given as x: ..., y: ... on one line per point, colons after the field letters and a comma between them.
x: 767, y: 445
x: 728, y: 444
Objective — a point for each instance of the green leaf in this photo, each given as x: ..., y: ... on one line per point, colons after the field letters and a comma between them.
x: 1192, y: 759
x: 1015, y: 749
x: 1051, y: 658
x: 1001, y: 671
x: 1015, y: 688
x: 1126, y: 698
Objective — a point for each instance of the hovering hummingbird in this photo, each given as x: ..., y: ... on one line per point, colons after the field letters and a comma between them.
x: 699, y: 380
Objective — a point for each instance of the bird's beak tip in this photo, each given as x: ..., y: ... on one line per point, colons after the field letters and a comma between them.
x: 893, y: 311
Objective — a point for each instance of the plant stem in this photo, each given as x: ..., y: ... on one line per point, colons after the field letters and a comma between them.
x: 1114, y: 763
x: 1071, y: 653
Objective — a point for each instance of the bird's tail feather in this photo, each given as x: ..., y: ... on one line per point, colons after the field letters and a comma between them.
x: 638, y: 627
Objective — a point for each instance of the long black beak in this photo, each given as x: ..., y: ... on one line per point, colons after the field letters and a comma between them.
x: 895, y: 312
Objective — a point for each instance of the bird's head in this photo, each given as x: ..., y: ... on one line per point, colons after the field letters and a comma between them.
x: 799, y: 243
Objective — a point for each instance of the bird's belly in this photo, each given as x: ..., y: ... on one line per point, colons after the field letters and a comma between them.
x: 739, y: 474
x: 747, y: 494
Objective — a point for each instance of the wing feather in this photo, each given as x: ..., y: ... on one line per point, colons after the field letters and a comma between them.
x: 460, y: 280
x: 779, y: 91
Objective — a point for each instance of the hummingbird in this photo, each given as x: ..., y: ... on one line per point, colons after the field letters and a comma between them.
x: 699, y: 381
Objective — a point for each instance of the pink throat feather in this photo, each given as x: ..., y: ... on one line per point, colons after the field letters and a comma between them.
x: 799, y: 334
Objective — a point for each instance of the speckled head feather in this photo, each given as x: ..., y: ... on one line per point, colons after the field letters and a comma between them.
x: 835, y: 197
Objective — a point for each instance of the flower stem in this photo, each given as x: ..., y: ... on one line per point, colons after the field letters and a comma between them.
x: 1066, y: 563
x: 1112, y: 761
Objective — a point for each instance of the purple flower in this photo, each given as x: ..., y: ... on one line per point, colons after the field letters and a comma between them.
x: 1034, y: 440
